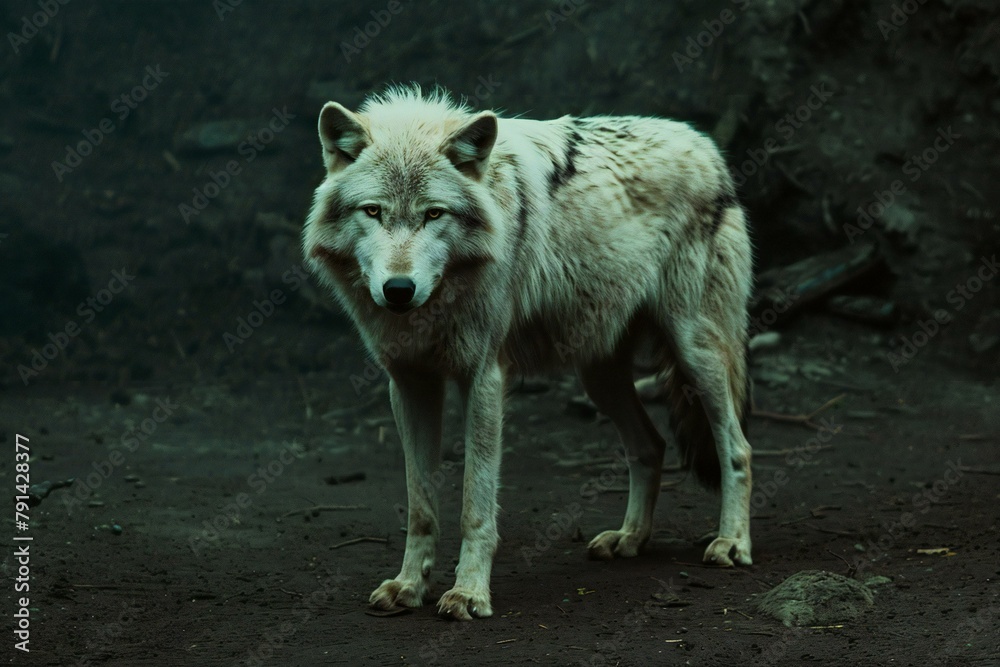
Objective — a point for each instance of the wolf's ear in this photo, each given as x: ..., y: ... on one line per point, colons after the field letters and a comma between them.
x: 343, y: 135
x: 469, y: 147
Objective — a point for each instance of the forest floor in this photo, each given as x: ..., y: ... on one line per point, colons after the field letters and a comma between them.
x: 194, y: 545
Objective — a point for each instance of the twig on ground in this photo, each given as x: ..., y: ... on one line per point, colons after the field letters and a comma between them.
x: 979, y: 471
x: 830, y: 531
x: 305, y: 398
x: 324, y: 508
x: 790, y: 450
x: 804, y: 419
x: 359, y: 540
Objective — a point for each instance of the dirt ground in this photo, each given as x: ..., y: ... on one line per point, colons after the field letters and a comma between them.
x: 238, y: 480
x: 215, y: 564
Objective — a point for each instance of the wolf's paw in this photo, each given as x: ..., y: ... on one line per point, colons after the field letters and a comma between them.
x: 463, y: 604
x: 728, y: 551
x: 398, y: 593
x: 615, y: 543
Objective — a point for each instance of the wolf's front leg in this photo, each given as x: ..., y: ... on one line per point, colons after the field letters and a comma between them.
x: 417, y: 402
x: 483, y: 396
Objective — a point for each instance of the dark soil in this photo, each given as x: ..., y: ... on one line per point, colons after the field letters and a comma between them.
x: 201, y: 575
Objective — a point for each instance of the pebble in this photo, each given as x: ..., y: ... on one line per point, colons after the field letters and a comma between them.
x: 213, y: 136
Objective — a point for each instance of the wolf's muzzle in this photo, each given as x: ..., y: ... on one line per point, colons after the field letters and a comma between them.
x: 399, y: 292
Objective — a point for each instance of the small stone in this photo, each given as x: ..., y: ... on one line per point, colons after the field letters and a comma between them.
x: 213, y: 136
x: 867, y: 309
x: 120, y: 397
x: 116, y: 529
x: 983, y: 342
x: 877, y: 580
x: 581, y: 406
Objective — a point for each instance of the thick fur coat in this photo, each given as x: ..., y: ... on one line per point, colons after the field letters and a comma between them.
x: 469, y: 247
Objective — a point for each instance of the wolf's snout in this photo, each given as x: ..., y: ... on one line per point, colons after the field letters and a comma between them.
x: 399, y: 291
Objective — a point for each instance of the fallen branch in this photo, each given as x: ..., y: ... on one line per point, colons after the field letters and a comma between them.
x: 790, y: 450
x: 316, y: 509
x: 804, y: 419
x: 830, y: 531
x: 359, y: 540
x: 979, y: 471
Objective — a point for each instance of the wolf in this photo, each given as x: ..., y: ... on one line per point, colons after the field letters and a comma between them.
x: 472, y: 248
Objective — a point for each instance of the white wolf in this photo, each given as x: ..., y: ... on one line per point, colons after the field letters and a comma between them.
x: 469, y: 247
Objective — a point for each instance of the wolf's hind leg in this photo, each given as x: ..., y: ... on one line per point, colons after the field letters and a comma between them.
x: 417, y: 403
x: 717, y: 368
x: 609, y: 384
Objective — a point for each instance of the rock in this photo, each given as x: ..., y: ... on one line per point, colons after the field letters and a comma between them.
x: 213, y: 136
x: 868, y: 309
x: 771, y: 377
x: 764, y: 341
x: 581, y: 406
x: 815, y: 597
x: 877, y: 580
x: 38, y: 492
x: 983, y: 342
x: 901, y: 219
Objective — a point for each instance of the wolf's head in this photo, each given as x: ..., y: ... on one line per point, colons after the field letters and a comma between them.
x: 404, y: 199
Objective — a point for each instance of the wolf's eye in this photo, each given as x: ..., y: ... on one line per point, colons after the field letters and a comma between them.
x: 372, y: 211
x: 434, y: 213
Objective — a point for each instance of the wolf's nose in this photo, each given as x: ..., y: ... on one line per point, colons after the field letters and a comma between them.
x: 399, y: 291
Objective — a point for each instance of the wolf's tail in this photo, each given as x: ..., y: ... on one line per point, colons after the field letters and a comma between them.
x: 690, y: 424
